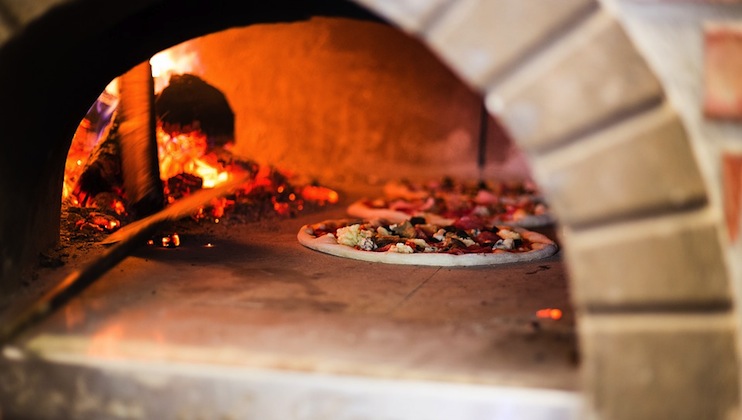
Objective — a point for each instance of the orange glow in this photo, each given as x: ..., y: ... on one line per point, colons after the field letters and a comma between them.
x: 118, y: 207
x: 74, y: 314
x: 281, y: 208
x: 171, y: 241
x: 180, y: 153
x: 321, y: 194
x: 88, y: 134
x: 104, y: 342
x: 176, y: 60
x: 549, y: 313
x: 188, y: 160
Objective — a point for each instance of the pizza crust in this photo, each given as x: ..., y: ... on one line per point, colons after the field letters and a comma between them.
x: 543, y: 247
x: 533, y: 221
x: 360, y: 209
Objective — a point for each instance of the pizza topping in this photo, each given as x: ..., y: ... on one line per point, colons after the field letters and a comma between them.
x: 487, y: 237
x: 405, y: 230
x: 508, y: 234
x: 506, y: 244
x: 363, y: 240
x: 401, y: 248
x: 417, y: 220
x: 381, y: 230
x: 486, y: 197
x: 405, y: 238
x: 481, y: 211
x: 383, y: 240
x: 508, y: 202
x: 353, y: 235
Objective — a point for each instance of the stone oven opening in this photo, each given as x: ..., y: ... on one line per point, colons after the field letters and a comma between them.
x: 318, y: 114
x: 241, y: 321
x: 333, y: 106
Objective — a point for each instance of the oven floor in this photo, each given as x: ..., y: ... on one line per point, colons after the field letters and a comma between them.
x: 257, y: 301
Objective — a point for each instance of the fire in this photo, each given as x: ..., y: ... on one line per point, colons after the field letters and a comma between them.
x: 176, y: 60
x: 321, y: 194
x: 189, y: 159
x: 187, y: 153
x: 88, y: 134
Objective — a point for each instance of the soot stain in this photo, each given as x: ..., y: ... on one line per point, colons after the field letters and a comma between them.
x: 302, y: 304
x: 282, y: 275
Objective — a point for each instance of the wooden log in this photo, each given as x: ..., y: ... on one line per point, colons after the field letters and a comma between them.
x: 189, y: 102
x: 138, y: 142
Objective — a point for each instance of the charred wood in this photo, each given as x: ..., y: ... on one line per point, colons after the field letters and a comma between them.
x: 189, y: 103
x: 138, y: 143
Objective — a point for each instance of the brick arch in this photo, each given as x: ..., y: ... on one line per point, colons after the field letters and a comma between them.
x: 644, y: 259
x: 642, y: 246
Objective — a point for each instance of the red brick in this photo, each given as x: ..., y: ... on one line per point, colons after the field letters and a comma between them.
x: 732, y: 172
x: 722, y: 67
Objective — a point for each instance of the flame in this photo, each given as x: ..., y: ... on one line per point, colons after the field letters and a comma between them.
x: 186, y: 160
x: 321, y: 194
x: 88, y: 134
x: 211, y: 175
x: 176, y: 60
x: 550, y: 313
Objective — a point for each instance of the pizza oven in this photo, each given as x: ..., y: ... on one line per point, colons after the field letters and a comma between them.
x: 225, y: 314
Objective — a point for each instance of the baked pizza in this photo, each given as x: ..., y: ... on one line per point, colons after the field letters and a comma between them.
x: 468, y: 241
x: 513, y: 203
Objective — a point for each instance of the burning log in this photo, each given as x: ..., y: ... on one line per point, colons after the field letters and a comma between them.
x: 102, y: 173
x: 190, y: 104
x: 190, y: 135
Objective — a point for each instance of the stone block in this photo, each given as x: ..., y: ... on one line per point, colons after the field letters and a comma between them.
x: 722, y: 67
x: 672, y: 261
x: 646, y: 366
x: 482, y: 38
x: 644, y: 165
x: 410, y: 15
x: 6, y: 29
x: 590, y: 79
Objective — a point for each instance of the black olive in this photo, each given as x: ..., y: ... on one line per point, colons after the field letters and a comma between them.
x: 462, y: 234
x: 449, y: 228
x: 517, y: 243
x: 417, y: 220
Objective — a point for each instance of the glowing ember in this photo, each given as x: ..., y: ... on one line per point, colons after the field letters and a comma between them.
x: 179, y: 153
x: 549, y: 313
x: 98, y: 221
x: 189, y: 159
x: 171, y: 241
x: 320, y: 194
